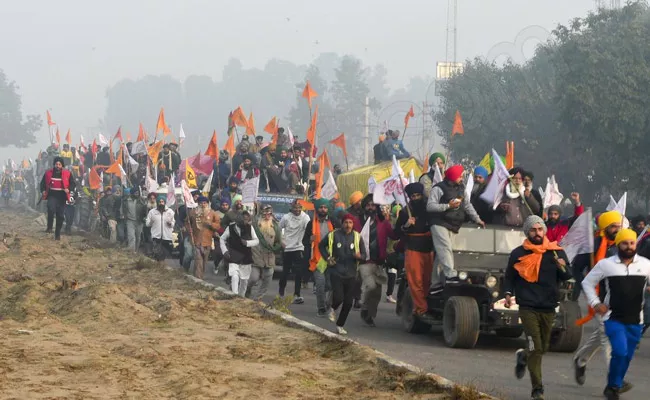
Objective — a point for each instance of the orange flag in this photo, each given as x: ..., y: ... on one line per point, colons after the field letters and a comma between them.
x: 340, y: 142
x: 154, y: 150
x: 458, y: 125
x: 141, y: 135
x: 250, y: 128
x: 94, y: 180
x: 68, y: 138
x: 58, y: 136
x: 323, y: 162
x: 128, y: 137
x: 161, y: 125
x: 272, y: 126
x: 311, y: 133
x: 309, y: 93
x: 239, y: 118
x: 510, y: 155
x: 213, y: 147
x: 118, y: 135
x: 408, y: 116
x: 230, y: 145
x: 49, y: 119
x: 114, y: 169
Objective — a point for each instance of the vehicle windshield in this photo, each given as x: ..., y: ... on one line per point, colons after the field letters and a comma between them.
x: 281, y: 204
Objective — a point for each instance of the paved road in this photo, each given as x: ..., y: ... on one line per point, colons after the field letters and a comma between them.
x: 490, y: 366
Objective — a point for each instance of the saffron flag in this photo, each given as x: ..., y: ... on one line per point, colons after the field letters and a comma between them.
x: 272, y: 126
x: 161, y: 126
x: 250, y: 128
x: 114, y: 169
x: 309, y: 93
x: 458, y: 125
x: 230, y: 145
x: 68, y: 138
x: 231, y: 124
x: 311, y: 133
x: 190, y: 175
x: 141, y: 135
x: 213, y: 147
x: 239, y: 118
x: 93, y: 148
x: 154, y: 151
x: 340, y: 142
x: 510, y: 155
x: 410, y: 114
x: 128, y: 137
x: 49, y: 119
x: 58, y: 136
x: 118, y: 135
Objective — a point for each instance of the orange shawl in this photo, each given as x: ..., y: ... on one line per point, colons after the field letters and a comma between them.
x: 600, y: 254
x: 315, y: 250
x: 528, y: 265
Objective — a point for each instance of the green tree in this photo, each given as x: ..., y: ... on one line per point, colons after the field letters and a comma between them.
x: 14, y: 129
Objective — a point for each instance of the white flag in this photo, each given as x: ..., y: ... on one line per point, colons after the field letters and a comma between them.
x: 101, y: 182
x: 552, y: 195
x: 102, y: 140
x: 396, y: 170
x: 181, y: 134
x: 187, y: 196
x: 139, y: 148
x: 469, y: 186
x: 81, y: 141
x: 412, y: 176
x: 437, y: 176
x: 134, y: 164
x: 291, y: 138
x: 329, y: 189
x: 580, y: 238
x: 122, y: 172
x: 151, y: 184
x: 500, y: 177
x: 365, y: 235
x: 208, y: 184
x: 171, y: 192
x: 612, y: 203
x: 390, y: 190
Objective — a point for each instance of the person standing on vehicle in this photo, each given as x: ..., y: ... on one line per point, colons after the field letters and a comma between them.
x: 428, y: 178
x: 609, y: 224
x: 317, y: 230
x: 269, y: 234
x: 371, y: 270
x: 448, y: 208
x: 236, y: 244
x: 533, y: 274
x: 558, y: 228
x: 344, y: 248
x: 161, y: 221
x: 201, y: 224
x: 626, y: 276
x: 415, y: 230
x: 294, y: 225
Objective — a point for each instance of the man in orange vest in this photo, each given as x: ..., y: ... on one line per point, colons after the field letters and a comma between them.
x: 56, y: 185
x: 317, y: 229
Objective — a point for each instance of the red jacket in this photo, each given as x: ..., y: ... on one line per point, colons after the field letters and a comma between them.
x: 559, y: 230
x: 384, y: 232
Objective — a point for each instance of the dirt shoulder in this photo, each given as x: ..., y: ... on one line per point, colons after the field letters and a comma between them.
x: 82, y: 320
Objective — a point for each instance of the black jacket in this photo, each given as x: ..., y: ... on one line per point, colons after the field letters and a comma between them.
x: 343, y: 252
x: 416, y: 237
x: 542, y: 295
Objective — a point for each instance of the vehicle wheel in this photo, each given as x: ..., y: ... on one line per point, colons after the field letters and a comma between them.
x: 410, y: 323
x: 567, y: 340
x: 513, y: 333
x: 461, y: 322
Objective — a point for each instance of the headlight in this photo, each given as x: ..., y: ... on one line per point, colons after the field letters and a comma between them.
x: 462, y: 276
x: 491, y: 281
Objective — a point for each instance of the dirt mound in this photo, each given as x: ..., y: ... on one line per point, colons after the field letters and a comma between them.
x: 83, y: 320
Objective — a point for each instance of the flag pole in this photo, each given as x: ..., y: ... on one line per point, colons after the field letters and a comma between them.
x: 311, y: 156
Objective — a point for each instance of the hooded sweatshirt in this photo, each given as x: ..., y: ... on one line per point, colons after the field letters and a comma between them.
x: 294, y: 229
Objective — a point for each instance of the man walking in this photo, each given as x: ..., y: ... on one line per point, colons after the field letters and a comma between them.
x: 533, y: 273
x: 236, y: 243
x: 56, y: 185
x: 134, y: 212
x: 626, y: 276
x: 270, y: 236
x: 343, y: 248
x: 201, y: 225
x: 448, y: 208
x: 294, y: 225
x: 161, y: 221
x: 317, y: 230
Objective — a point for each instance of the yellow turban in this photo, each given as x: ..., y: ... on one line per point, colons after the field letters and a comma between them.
x: 624, y: 235
x: 607, y: 218
x: 355, y: 197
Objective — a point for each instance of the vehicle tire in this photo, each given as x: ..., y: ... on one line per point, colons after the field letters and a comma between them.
x: 567, y: 340
x: 461, y: 322
x: 409, y: 321
x: 513, y: 333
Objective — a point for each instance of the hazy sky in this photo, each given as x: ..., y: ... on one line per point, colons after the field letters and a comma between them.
x: 65, y: 53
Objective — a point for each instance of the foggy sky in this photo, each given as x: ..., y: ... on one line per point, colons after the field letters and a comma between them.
x: 64, y: 54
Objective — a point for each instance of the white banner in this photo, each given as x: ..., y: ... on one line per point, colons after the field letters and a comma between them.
x: 552, y: 195
x: 139, y: 148
x: 329, y: 189
x: 249, y: 190
x: 187, y: 196
x: 580, y: 238
x: 102, y: 140
x: 500, y: 178
x: 390, y: 190
x: 469, y: 186
x: 171, y: 192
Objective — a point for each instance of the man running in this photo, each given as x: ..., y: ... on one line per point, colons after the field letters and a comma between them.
x: 56, y: 185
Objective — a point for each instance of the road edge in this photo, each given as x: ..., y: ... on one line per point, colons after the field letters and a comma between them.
x: 387, y: 361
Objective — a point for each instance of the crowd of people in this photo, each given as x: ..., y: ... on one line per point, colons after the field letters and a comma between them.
x: 321, y: 240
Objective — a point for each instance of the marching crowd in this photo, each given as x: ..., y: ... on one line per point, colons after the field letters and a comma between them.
x: 320, y: 240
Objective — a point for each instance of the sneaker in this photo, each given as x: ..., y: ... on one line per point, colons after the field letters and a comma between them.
x: 611, y: 393
x: 321, y: 313
x: 48, y: 230
x: 520, y: 366
x: 390, y: 299
x: 341, y: 331
x: 579, y: 372
x: 537, y: 394
x: 298, y: 300
x: 627, y: 386
x: 369, y: 321
x: 331, y: 315
x: 356, y: 305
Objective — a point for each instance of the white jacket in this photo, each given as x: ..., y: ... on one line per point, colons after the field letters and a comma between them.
x: 161, y: 224
x: 293, y: 230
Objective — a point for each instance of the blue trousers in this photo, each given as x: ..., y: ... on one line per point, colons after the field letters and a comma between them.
x: 624, y: 339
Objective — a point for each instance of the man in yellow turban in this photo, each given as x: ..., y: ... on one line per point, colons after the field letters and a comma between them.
x: 609, y: 224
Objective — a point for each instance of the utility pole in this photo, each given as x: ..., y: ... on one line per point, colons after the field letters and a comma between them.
x: 366, y: 142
